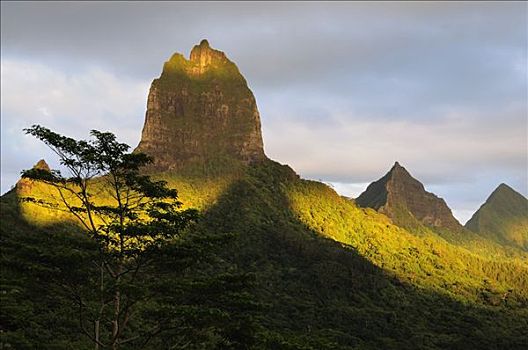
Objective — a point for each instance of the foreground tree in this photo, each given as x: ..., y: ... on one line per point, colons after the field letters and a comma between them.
x: 129, y: 216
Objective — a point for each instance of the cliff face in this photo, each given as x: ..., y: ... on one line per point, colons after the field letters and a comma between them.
x: 200, y: 111
x: 398, y: 191
x: 503, y: 218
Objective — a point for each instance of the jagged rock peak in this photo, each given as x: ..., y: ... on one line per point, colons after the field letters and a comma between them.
x: 200, y: 111
x: 398, y: 194
x: 203, y: 52
x: 25, y: 185
x: 202, y: 59
x: 42, y: 165
x: 398, y: 171
x: 204, y: 56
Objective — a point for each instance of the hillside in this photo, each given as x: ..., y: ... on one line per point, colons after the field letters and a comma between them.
x: 503, y: 218
x: 403, y: 199
x: 325, y: 266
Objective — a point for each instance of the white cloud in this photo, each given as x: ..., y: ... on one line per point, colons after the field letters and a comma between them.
x: 351, y: 190
x: 71, y: 104
x: 352, y: 150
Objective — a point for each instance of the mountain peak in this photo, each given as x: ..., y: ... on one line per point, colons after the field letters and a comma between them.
x: 398, y: 171
x: 203, y: 55
x: 503, y: 188
x: 503, y: 217
x: 504, y: 193
x: 398, y: 195
x: 24, y: 186
x: 42, y: 165
x: 201, y: 111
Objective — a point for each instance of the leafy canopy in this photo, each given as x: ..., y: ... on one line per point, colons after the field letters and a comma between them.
x: 137, y: 217
x: 104, y: 165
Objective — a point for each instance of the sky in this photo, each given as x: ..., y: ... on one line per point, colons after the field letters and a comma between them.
x: 344, y: 89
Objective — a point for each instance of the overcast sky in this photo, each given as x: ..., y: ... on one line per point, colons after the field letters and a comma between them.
x: 343, y: 89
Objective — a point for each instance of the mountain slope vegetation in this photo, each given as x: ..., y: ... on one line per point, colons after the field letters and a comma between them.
x: 327, y: 273
x: 503, y: 218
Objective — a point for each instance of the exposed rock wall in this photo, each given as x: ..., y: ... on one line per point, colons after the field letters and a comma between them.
x: 201, y: 110
x: 398, y: 190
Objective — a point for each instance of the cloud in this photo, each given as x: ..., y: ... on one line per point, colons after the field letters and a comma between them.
x: 354, y: 149
x: 71, y: 104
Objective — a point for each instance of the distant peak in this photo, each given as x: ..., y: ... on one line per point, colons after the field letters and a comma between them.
x: 398, y: 193
x: 397, y: 165
x: 42, y: 165
x: 503, y: 217
x: 503, y: 186
x: 204, y: 43
x: 503, y: 190
x: 397, y: 169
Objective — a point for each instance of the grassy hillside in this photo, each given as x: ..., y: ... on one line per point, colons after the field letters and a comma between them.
x: 328, y: 275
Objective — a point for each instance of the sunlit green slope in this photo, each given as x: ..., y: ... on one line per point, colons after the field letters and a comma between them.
x: 503, y: 218
x: 329, y: 275
x: 405, y: 200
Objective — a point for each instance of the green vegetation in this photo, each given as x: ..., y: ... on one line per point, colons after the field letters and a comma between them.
x: 503, y: 218
x: 253, y: 257
x: 318, y: 273
x: 203, y: 299
x: 428, y: 262
x: 133, y: 221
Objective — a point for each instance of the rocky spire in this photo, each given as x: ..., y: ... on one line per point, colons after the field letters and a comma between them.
x: 200, y: 111
x: 42, y: 165
x: 398, y: 195
x: 24, y: 185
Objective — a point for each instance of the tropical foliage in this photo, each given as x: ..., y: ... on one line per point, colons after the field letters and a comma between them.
x: 275, y: 262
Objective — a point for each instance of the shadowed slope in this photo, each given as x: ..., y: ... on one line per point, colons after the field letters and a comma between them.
x: 336, y: 276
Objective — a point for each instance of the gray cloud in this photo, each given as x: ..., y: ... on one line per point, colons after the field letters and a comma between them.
x: 344, y: 88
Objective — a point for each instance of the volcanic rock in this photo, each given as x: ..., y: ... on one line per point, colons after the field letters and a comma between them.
x: 398, y: 195
x: 201, y: 111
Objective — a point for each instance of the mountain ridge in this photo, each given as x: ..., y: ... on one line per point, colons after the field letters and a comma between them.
x: 397, y: 194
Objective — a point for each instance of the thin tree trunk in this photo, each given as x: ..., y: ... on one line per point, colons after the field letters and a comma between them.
x: 115, y: 322
x: 96, y: 331
x: 97, y: 323
x: 117, y: 310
